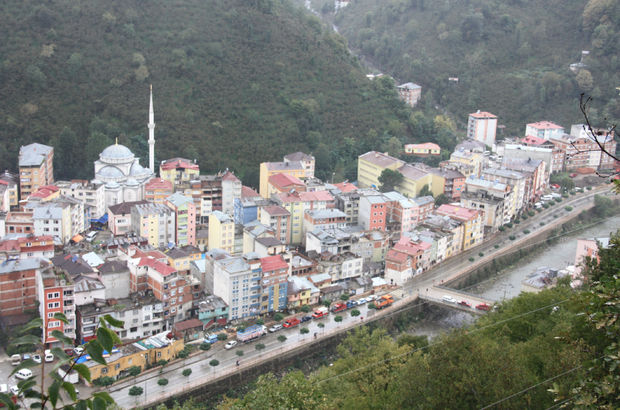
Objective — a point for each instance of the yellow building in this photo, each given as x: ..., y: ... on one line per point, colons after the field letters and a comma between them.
x: 221, y: 232
x: 473, y: 162
x: 180, y: 258
x: 142, y: 354
x: 293, y: 168
x: 370, y: 166
x: 155, y: 222
x: 426, y: 149
x: 473, y: 227
x: 178, y: 170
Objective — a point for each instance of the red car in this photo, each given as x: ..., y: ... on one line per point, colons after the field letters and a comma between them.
x: 573, y: 175
x: 483, y: 306
x: 464, y: 303
x: 555, y: 186
x: 291, y: 322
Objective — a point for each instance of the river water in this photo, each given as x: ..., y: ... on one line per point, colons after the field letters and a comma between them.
x: 507, y: 283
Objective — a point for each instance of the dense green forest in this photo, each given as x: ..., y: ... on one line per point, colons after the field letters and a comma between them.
x: 559, y: 346
x: 511, y: 57
x: 236, y: 82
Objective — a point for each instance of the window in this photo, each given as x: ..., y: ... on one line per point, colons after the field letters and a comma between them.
x: 104, y: 370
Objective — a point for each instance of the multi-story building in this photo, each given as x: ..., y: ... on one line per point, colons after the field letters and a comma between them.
x: 55, y: 293
x: 274, y: 284
x: 473, y: 232
x: 185, y: 218
x: 454, y: 180
x: 178, y: 170
x: 246, y: 207
x: 267, y: 169
x: 11, y: 182
x: 370, y: 166
x: 349, y: 203
x: 62, y: 218
x: 523, y: 152
x: 92, y: 194
x: 213, y: 193
x: 284, y: 183
x: 482, y: 126
x: 221, y: 232
x: 493, y: 199
x: 341, y: 267
x: 18, y: 289
x: 544, y: 129
x: 404, y: 261
x: 36, y: 168
x: 515, y: 180
x: 301, y: 292
x: 181, y: 258
x: 534, y: 172
x: 588, y: 248
x: 237, y: 280
x: 296, y: 203
x: 469, y: 163
x: 157, y: 190
x: 323, y: 219
x: 373, y: 212
x: 410, y: 93
x: 583, y: 151
x: 19, y: 222
x: 452, y: 228
x: 279, y: 219
x: 26, y: 247
x: 155, y: 222
x: 212, y: 309
x: 231, y: 190
x: 119, y: 217
x: 115, y: 276
x: 558, y: 155
x: 307, y: 162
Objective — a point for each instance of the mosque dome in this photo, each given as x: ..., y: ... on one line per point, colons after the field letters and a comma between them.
x: 138, y: 170
x: 115, y: 153
x: 112, y: 185
x: 132, y: 182
x: 110, y: 172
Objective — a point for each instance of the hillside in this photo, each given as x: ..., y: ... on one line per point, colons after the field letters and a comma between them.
x: 235, y: 82
x: 510, y: 57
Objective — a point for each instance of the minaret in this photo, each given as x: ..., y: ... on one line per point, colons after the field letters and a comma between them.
x: 151, y: 134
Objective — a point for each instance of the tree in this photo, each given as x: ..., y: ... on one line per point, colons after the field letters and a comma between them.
x: 162, y: 382
x: 222, y: 336
x: 305, y: 308
x: 393, y: 147
x: 426, y: 191
x: 344, y: 296
x: 338, y: 318
x: 239, y: 353
x: 304, y: 330
x: 136, y: 391
x: 214, y: 362
x: 133, y: 371
x: 355, y: 313
x: 282, y: 338
x: 205, y: 346
x: 442, y: 199
x: 259, y: 347
x: 186, y: 372
x: 584, y: 79
x: 278, y: 317
x: 327, y: 303
x: 390, y: 179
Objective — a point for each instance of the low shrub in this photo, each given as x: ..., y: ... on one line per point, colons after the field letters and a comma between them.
x: 512, y: 237
x: 496, y: 246
x: 526, y: 231
x: 471, y: 259
x: 568, y: 208
x: 481, y: 254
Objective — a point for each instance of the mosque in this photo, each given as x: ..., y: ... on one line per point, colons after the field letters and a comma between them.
x: 120, y: 171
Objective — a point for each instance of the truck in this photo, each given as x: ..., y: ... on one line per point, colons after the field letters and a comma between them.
x: 210, y: 338
x: 384, y: 301
x: 291, y: 322
x: 251, y: 333
x: 69, y: 374
x: 320, y: 312
x: 339, y: 307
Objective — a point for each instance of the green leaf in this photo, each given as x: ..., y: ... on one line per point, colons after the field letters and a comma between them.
x: 36, y: 405
x: 36, y: 323
x: 59, y: 353
x: 95, y: 351
x: 8, y: 403
x: 52, y: 392
x: 66, y: 340
x: 70, y: 389
x: 61, y: 316
x: 83, y: 371
x: 99, y: 404
x: 105, y: 338
x: 105, y: 396
x: 82, y: 405
x: 26, y: 384
x: 26, y: 340
x: 32, y: 394
x: 114, y: 322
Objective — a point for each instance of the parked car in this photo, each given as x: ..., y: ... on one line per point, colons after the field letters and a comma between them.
x: 573, y: 175
x: 555, y: 186
x: 49, y: 356
x: 16, y: 359
x: 78, y: 350
x: 23, y: 374
x: 306, y: 318
x: 371, y: 298
x: 36, y: 358
x: 275, y: 328
x: 291, y: 322
x: 15, y: 391
x: 362, y: 301
x: 483, y: 306
x: 465, y: 303
x: 230, y: 344
x: 449, y: 299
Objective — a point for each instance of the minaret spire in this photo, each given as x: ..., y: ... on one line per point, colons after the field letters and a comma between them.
x: 151, y: 126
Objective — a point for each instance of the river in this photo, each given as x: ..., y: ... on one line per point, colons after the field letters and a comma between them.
x: 507, y: 283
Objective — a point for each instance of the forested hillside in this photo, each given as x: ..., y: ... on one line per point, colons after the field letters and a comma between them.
x: 235, y: 82
x: 510, y: 57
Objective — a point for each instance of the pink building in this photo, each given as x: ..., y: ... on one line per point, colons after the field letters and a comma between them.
x: 185, y: 218
x: 588, y: 248
x: 119, y: 217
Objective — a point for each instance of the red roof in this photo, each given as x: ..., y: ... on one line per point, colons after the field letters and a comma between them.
x: 159, y: 184
x: 285, y: 181
x: 276, y: 210
x: 532, y: 140
x: 316, y: 196
x: 175, y: 163
x: 482, y: 114
x: 457, y: 212
x: 162, y: 268
x: 345, y: 187
x: 187, y: 324
x: 247, y: 192
x: 271, y: 263
x: 396, y: 256
x: 426, y: 145
x: 47, y: 238
x: 545, y: 125
x: 44, y: 191
x: 229, y: 176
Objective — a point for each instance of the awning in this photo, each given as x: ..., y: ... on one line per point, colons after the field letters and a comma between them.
x: 77, y: 238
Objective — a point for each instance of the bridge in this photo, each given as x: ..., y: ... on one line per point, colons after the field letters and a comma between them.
x: 454, y: 299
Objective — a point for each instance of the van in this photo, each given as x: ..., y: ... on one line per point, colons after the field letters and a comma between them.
x: 23, y: 374
x: 16, y: 360
x: 90, y: 236
x: 448, y: 299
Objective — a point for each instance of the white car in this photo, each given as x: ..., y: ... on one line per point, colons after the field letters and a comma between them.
x: 361, y: 301
x: 78, y: 350
x: 371, y: 298
x: 49, y: 356
x: 448, y: 299
x: 15, y: 391
x: 275, y: 328
x: 36, y: 358
x: 23, y: 374
x: 230, y: 344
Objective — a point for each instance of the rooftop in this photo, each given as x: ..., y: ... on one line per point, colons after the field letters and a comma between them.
x: 382, y: 160
x: 178, y: 199
x: 19, y: 265
x: 247, y: 192
x: 326, y: 213
x: 284, y: 181
x: 457, y: 212
x: 482, y: 114
x: 155, y: 264
x: 33, y: 155
x: 284, y: 166
x: 409, y: 86
x: 298, y: 156
x: 271, y: 263
x: 545, y: 125
x: 159, y: 184
x: 345, y: 187
x: 276, y: 210
x: 221, y: 216
x: 124, y: 208
x: 175, y: 163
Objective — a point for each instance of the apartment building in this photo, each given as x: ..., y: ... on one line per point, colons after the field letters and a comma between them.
x: 410, y: 93
x: 544, y: 129
x: 119, y: 217
x: 92, y: 194
x: 221, y: 232
x: 185, y: 218
x: 155, y: 222
x: 295, y: 169
x: 582, y: 149
x: 493, y: 199
x: 55, y: 293
x: 237, y: 280
x: 158, y: 189
x: 178, y: 170
x: 36, y: 168
x: 274, y: 284
x: 279, y: 219
x: 473, y: 232
x: 482, y: 126
x: 18, y: 289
